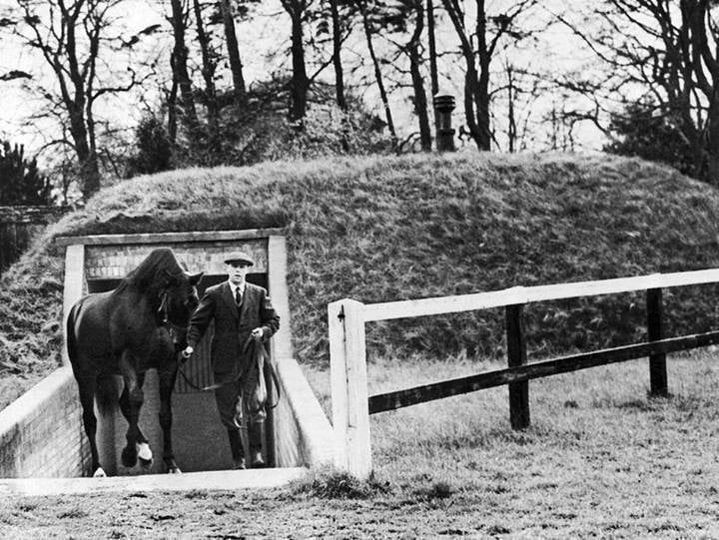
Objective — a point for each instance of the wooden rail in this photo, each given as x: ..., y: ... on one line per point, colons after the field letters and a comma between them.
x: 351, y: 405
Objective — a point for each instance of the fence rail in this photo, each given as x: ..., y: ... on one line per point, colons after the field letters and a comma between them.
x: 351, y: 405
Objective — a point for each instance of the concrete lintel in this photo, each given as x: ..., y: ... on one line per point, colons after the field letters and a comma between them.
x: 167, y: 238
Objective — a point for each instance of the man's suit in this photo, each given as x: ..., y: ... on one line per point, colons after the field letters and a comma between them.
x: 233, y: 326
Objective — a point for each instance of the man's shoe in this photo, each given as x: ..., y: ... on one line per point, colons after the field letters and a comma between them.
x: 257, y: 460
x: 239, y: 464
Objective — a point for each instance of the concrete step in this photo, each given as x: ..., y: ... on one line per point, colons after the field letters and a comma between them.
x: 208, y: 481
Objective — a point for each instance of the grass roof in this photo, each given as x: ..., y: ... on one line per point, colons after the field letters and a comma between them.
x: 379, y: 229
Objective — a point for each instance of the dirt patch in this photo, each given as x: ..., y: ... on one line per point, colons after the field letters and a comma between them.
x: 283, y: 513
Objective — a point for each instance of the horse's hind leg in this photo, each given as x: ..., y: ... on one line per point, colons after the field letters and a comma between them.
x: 167, y: 383
x: 87, y: 387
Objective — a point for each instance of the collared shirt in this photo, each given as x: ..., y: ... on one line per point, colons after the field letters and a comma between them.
x: 235, y: 287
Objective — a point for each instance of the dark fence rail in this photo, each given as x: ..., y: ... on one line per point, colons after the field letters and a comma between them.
x: 18, y: 225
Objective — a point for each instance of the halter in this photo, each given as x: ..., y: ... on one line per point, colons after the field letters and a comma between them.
x: 163, y: 313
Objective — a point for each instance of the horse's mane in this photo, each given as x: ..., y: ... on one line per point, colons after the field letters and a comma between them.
x: 146, y: 277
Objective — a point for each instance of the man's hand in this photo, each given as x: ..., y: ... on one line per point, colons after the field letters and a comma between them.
x: 257, y: 333
x: 187, y: 353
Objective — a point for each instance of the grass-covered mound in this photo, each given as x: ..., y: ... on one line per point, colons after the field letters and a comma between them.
x: 390, y: 228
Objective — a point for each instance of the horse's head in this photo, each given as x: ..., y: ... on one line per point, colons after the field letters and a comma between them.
x: 179, y: 297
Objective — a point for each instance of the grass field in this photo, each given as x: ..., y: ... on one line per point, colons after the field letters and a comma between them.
x: 601, y: 455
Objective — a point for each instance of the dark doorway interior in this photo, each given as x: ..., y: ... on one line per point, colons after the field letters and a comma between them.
x: 199, y: 440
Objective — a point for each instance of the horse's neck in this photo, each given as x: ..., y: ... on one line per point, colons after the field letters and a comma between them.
x: 141, y: 302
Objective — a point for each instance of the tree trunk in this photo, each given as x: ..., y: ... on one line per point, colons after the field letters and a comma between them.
x: 300, y: 83
x: 233, y: 53
x: 420, y: 96
x: 337, y: 56
x: 711, y: 146
x: 434, y: 78
x: 378, y: 73
x: 179, y: 70
x: 433, y: 75
x: 87, y: 159
x: 208, y: 74
x: 511, y: 122
x: 471, y: 78
x: 482, y: 89
x: 172, y: 110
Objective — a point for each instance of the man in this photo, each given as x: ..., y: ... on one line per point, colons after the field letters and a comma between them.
x: 241, y: 311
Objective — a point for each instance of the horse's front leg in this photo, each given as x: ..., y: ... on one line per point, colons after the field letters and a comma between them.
x: 130, y: 404
x: 167, y: 383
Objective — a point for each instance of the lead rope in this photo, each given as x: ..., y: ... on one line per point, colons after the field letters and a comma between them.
x: 273, y: 373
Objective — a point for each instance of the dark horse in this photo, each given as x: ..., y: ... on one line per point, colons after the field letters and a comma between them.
x: 139, y: 325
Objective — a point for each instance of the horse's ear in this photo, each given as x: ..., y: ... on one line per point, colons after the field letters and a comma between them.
x: 194, y: 278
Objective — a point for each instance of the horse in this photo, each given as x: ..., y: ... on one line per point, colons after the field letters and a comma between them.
x: 139, y: 325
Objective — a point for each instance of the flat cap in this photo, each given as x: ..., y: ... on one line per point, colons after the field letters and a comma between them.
x: 239, y: 257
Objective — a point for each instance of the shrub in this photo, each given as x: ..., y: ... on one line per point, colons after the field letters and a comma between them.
x: 20, y: 180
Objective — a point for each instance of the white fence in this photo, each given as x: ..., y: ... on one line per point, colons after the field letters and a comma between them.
x: 346, y: 319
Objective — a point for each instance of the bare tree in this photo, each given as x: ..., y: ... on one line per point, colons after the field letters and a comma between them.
x: 666, y: 51
x: 413, y: 10
x: 432, y: 44
x: 366, y: 24
x: 71, y: 37
x: 209, y: 66
x: 178, y: 60
x: 478, y: 44
x: 233, y: 53
x: 337, y: 54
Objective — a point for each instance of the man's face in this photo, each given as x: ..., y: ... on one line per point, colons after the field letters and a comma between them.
x: 237, y: 272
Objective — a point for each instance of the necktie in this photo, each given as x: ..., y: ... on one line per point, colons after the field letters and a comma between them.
x: 238, y: 296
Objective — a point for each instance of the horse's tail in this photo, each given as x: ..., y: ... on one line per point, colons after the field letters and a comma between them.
x: 70, y: 333
x: 106, y: 393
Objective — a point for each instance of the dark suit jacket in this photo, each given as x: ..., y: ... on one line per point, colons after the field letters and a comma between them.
x: 232, y: 326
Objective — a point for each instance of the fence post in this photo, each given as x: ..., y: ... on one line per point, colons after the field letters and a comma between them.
x: 517, y: 356
x: 655, y: 331
x: 348, y: 368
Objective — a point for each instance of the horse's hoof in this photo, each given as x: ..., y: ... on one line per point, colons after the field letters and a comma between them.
x: 99, y: 473
x: 144, y: 454
x: 129, y: 456
x: 143, y: 451
x: 174, y: 470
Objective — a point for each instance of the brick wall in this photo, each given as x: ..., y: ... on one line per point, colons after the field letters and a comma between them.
x: 41, y: 433
x: 114, y: 262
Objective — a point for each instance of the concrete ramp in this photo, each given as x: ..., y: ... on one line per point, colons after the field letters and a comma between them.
x: 206, y: 481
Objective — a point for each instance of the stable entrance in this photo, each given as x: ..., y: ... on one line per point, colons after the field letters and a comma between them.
x: 199, y: 440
